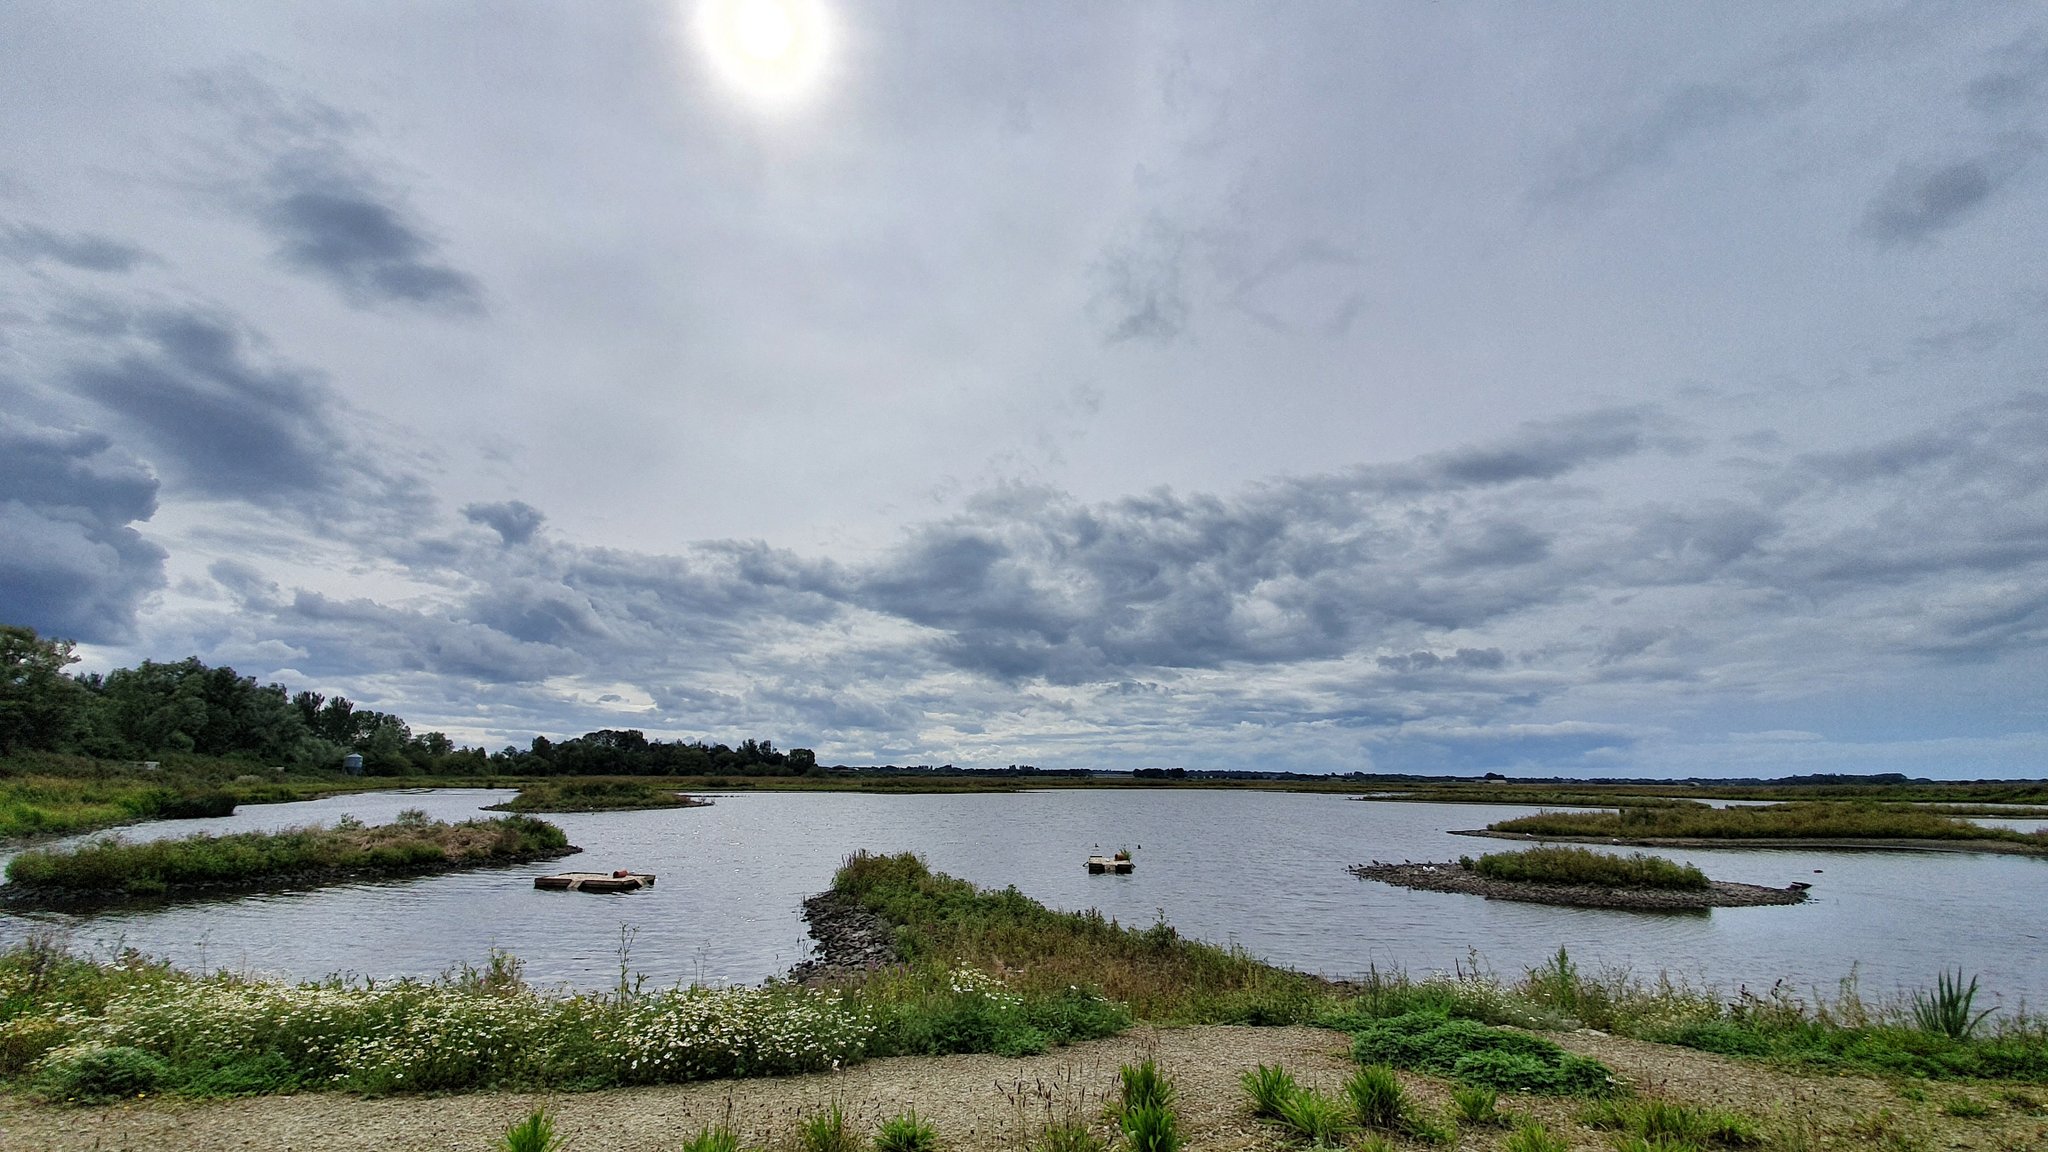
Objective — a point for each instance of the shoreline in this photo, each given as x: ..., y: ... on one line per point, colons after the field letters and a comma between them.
x: 1783, y: 843
x: 1453, y: 878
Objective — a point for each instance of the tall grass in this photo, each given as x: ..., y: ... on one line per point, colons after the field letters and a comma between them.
x: 111, y: 868
x: 1156, y: 973
x: 1806, y: 820
x: 1946, y: 1012
x: 1551, y: 865
x: 597, y: 794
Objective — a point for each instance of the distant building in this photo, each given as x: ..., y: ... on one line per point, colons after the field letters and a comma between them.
x: 352, y: 764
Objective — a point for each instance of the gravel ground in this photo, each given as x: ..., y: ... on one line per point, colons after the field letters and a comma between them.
x: 992, y: 1104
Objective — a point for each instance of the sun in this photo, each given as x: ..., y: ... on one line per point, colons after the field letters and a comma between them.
x: 769, y: 48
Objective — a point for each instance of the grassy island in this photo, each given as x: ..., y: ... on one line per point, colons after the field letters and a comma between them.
x: 597, y: 795
x: 1584, y: 866
x: 111, y: 869
x: 1831, y: 823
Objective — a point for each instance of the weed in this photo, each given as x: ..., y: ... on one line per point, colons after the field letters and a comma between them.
x: 906, y: 1133
x: 1966, y: 1107
x: 533, y: 1133
x: 1530, y: 1136
x: 1376, y: 1097
x: 1143, y: 1086
x: 1151, y: 1127
x: 1478, y: 1106
x: 1269, y: 1088
x: 827, y: 1131
x: 1652, y: 1119
x: 717, y: 1138
x: 1947, y: 1011
x: 1070, y: 1135
x: 1314, y: 1117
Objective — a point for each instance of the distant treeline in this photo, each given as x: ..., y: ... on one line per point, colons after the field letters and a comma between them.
x: 185, y: 708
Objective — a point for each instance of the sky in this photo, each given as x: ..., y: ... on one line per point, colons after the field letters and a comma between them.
x: 1592, y: 390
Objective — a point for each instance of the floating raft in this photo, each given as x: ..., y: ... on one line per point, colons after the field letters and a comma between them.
x: 1109, y: 864
x: 619, y: 881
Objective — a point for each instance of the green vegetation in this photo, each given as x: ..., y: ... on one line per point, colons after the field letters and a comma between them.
x: 1153, y: 971
x: 1798, y: 821
x: 1314, y: 1117
x: 113, y: 869
x: 906, y: 1133
x: 535, y: 1132
x: 1654, y: 1120
x: 1585, y: 866
x: 1472, y: 1053
x: 1068, y: 1135
x: 1376, y: 1096
x: 827, y: 1131
x: 1143, y: 1109
x: 602, y: 794
x: 1946, y: 1012
x: 1269, y: 1088
x: 1530, y: 1136
x: 1479, y: 1107
x: 717, y: 1138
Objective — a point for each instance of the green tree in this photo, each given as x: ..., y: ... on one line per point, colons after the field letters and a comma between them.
x: 41, y: 708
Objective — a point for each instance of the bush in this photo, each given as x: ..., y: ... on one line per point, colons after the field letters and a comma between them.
x: 96, y: 1075
x: 1473, y: 1053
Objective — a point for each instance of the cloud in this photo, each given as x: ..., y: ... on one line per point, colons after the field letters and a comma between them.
x: 332, y: 215
x: 222, y: 419
x: 1922, y: 199
x: 73, y: 565
x: 1139, y: 294
x: 2020, y: 80
x: 1604, y: 157
x: 86, y: 251
x: 515, y: 521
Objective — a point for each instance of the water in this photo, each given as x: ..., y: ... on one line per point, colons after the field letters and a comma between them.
x: 1256, y: 869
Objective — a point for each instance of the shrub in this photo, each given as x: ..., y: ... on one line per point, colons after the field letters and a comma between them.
x: 94, y: 1074
x: 1269, y: 1089
x: 1376, y: 1097
x: 906, y: 1133
x: 1475, y: 1054
x: 534, y: 1133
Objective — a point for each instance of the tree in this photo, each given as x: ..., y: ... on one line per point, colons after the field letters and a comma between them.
x: 41, y: 708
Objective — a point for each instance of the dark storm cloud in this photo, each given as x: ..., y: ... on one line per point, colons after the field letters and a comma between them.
x: 1922, y: 199
x: 515, y: 521
x: 333, y: 216
x: 221, y: 419
x: 1604, y: 157
x: 87, y: 251
x: 72, y: 565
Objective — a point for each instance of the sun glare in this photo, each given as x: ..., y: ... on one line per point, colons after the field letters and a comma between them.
x: 772, y: 48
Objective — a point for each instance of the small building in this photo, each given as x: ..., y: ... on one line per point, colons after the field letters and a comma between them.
x: 352, y: 764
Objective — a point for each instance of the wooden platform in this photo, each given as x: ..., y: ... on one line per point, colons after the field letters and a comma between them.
x: 1109, y: 864
x: 620, y: 881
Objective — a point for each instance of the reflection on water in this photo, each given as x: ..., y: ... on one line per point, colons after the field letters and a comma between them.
x: 1260, y: 870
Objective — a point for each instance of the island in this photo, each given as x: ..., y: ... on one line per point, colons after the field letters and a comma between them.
x: 1581, y: 878
x: 1807, y: 824
x: 111, y: 870
x: 597, y: 795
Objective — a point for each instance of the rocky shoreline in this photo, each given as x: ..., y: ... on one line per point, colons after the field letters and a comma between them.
x: 1453, y: 878
x: 851, y: 940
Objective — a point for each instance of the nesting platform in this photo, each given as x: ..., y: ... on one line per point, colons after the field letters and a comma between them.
x: 1115, y: 864
x: 619, y: 881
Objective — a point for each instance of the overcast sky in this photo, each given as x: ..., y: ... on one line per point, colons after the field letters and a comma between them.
x: 1583, y: 389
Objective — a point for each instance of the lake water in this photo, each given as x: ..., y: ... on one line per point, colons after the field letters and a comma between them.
x: 1262, y: 870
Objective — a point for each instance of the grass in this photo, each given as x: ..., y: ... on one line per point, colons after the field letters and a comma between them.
x: 112, y: 869
x: 1269, y: 1088
x: 1652, y: 1119
x: 1154, y: 972
x: 597, y: 794
x: 1814, y: 820
x: 1552, y: 865
x: 827, y: 1131
x: 906, y: 1133
x: 535, y: 1132
x: 1143, y: 1109
x: 1376, y: 1097
x: 1946, y: 1011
